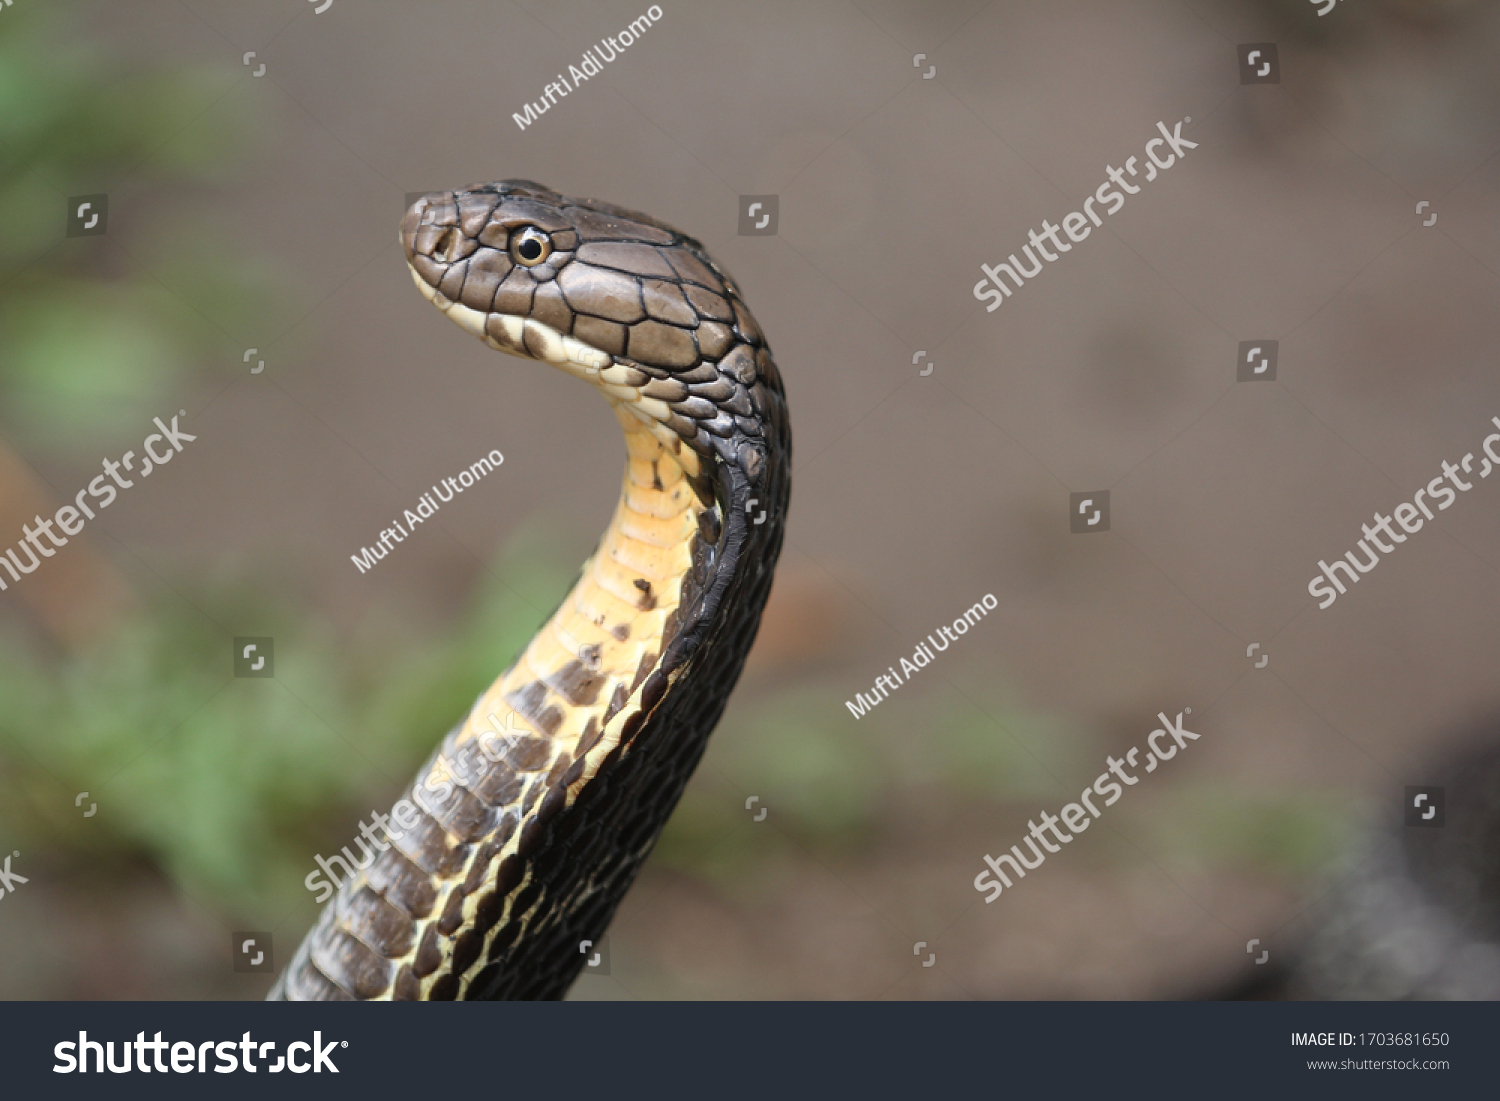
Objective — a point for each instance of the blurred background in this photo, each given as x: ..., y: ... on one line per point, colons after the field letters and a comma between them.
x: 157, y: 805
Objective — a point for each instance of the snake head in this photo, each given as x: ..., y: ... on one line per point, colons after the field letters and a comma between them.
x: 617, y: 298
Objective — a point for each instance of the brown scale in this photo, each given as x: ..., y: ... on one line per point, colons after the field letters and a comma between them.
x: 538, y: 809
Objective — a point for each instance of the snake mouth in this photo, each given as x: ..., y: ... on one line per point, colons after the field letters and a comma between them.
x: 441, y: 254
x: 519, y: 336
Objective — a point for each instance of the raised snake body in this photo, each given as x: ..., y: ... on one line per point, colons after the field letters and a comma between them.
x: 536, y: 812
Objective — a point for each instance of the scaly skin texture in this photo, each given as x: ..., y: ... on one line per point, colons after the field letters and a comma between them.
x: 530, y: 822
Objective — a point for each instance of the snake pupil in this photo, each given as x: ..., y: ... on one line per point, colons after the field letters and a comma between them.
x: 530, y: 246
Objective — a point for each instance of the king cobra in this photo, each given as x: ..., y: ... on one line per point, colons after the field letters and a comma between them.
x: 508, y: 855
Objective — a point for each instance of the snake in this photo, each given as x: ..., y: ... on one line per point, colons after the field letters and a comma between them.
x: 503, y: 863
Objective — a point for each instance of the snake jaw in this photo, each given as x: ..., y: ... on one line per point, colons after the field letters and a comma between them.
x: 528, y: 338
x: 519, y: 335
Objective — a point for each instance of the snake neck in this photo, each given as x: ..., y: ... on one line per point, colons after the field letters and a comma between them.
x: 534, y: 815
x: 608, y: 634
x: 509, y: 853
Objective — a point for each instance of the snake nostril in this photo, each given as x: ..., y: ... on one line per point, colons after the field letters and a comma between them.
x: 446, y: 245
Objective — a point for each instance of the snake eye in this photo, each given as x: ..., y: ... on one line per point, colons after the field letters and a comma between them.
x: 529, y: 246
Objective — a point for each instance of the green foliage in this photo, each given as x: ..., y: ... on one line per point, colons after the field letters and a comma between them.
x: 160, y: 290
x: 837, y: 786
x: 231, y: 785
x: 1297, y: 832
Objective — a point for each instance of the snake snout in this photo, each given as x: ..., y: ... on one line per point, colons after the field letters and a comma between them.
x: 430, y: 231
